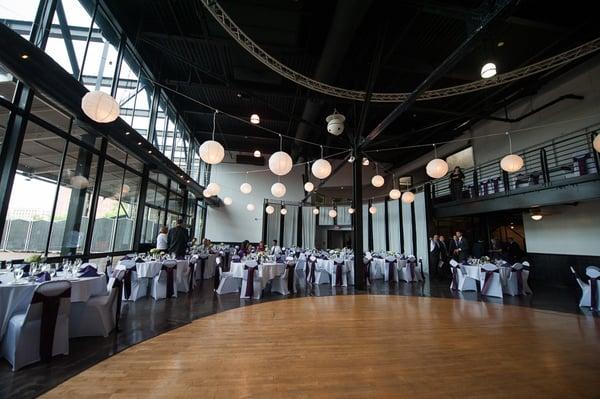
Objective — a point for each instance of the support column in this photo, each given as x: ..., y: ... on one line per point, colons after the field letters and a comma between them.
x: 401, y: 226
x: 357, y: 239
x: 264, y: 222
x: 370, y: 223
x: 281, y: 227
x: 386, y: 224
x: 299, y: 231
x: 139, y: 221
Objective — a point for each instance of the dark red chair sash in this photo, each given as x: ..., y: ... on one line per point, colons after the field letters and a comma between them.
x: 170, y: 279
x: 488, y: 279
x: 217, y: 274
x: 310, y: 273
x: 192, y: 267
x: 50, y: 307
x: 519, y: 273
x: 368, y: 271
x: 594, y: 292
x: 202, y: 267
x: 454, y: 285
x: 291, y: 268
x: 338, y: 273
x: 127, y: 281
x: 391, y: 269
x: 250, y: 281
x: 412, y: 265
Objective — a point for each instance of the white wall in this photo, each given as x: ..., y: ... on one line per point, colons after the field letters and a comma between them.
x: 234, y: 222
x: 565, y: 230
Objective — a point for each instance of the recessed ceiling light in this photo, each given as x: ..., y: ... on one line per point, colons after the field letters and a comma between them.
x: 149, y: 151
x: 139, y: 143
x: 24, y: 56
x: 255, y: 119
x: 500, y: 44
x: 488, y: 70
x: 188, y: 181
x: 127, y: 133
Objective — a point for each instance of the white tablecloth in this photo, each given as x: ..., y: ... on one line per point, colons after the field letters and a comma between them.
x: 266, y: 271
x: 14, y: 298
x: 474, y: 271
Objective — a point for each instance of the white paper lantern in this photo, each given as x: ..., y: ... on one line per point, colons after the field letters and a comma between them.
x: 308, y: 187
x: 269, y: 209
x: 283, y: 211
x: 214, y: 188
x: 332, y: 213
x: 212, y: 152
x: 511, y: 163
x: 316, y: 211
x: 596, y: 143
x: 227, y: 201
x: 408, y: 197
x: 365, y: 161
x: 280, y: 163
x: 79, y: 182
x: 350, y: 211
x: 278, y: 190
x: 257, y: 154
x: 321, y: 168
x: 125, y: 189
x: 250, y: 207
x: 377, y: 181
x: 372, y: 210
x: 100, y: 107
x: 395, y: 194
x: 206, y: 193
x: 335, y: 123
x: 246, y: 188
x: 254, y: 119
x: 436, y: 168
x: 488, y: 70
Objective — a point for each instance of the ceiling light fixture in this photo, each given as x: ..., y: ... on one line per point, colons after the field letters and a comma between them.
x: 280, y: 162
x: 512, y: 162
x: 488, y: 70
x: 100, y: 106
x: 211, y: 151
x: 254, y: 119
x: 257, y: 154
x: 321, y: 168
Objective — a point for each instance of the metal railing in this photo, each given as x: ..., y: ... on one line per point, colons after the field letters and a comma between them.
x: 550, y: 163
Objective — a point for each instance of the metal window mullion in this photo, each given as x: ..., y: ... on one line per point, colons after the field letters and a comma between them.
x: 96, y: 194
x: 116, y: 227
x: 87, y: 43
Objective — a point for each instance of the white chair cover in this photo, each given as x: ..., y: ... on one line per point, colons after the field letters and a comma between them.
x: 161, y: 280
x: 227, y: 283
x: 586, y: 297
x: 251, y: 268
x: 96, y: 317
x: 593, y: 273
x: 139, y: 286
x: 489, y: 279
x: 391, y: 260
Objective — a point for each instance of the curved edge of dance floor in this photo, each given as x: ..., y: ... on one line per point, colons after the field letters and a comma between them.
x: 357, y: 346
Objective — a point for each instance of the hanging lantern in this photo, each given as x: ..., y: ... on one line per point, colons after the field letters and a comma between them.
x: 350, y: 211
x: 332, y: 213
x: 257, y: 154
x: 596, y: 143
x: 316, y: 211
x: 125, y: 190
x: 227, y: 201
x: 100, y: 107
x: 335, y: 123
x: 365, y: 161
x: 511, y: 163
x: 488, y: 70
x: 278, y: 190
x: 280, y: 163
x: 321, y: 168
x: 246, y: 188
x: 395, y: 194
x: 79, y: 182
x: 269, y: 209
x: 214, y: 188
x: 206, y: 193
x: 212, y: 152
x: 377, y: 181
x: 408, y: 197
x: 308, y: 187
x: 254, y: 119
x: 283, y: 211
x: 372, y: 210
x: 250, y: 207
x: 436, y: 168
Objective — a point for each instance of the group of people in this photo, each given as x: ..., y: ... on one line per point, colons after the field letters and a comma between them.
x: 246, y: 248
x: 174, y: 240
x: 441, y: 251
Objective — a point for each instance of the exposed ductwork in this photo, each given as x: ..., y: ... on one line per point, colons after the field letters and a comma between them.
x: 346, y: 20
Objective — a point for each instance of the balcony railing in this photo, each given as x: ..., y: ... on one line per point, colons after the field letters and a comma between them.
x: 552, y: 163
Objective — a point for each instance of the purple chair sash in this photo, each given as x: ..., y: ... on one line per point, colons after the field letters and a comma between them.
x: 391, y: 269
x: 127, y: 281
x: 170, y: 281
x: 202, y: 266
x: 250, y: 281
x: 454, y: 285
x: 108, y: 266
x: 192, y: 267
x: 43, y: 277
x: 519, y: 273
x: 310, y: 275
x: 412, y: 265
x: 291, y: 267
x: 338, y: 273
x: 368, y: 271
x: 217, y: 275
x: 487, y: 280
x: 594, y: 292
x: 50, y: 306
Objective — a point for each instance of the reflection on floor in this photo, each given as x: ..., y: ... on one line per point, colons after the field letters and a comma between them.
x: 146, y: 318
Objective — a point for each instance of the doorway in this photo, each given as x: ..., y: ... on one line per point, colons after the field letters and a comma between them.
x: 339, y: 239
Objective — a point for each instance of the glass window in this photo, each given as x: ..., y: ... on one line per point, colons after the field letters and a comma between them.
x: 141, y: 106
x: 152, y: 222
x: 116, y: 153
x: 45, y: 110
x: 127, y: 214
x: 7, y: 84
x: 33, y: 193
x: 175, y: 203
x: 84, y: 135
x: 128, y: 86
x: 4, y: 114
x: 73, y: 205
x: 108, y: 208
x: 161, y: 124
x: 199, y: 222
x: 172, y: 219
x: 19, y: 15
x: 156, y: 195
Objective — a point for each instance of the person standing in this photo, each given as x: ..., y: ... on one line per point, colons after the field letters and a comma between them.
x: 444, y: 251
x: 457, y: 178
x: 434, y: 255
x: 178, y: 239
x: 462, y: 248
x: 162, y: 241
x: 275, y: 249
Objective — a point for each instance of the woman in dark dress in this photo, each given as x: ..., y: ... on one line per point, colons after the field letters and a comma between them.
x: 456, y: 183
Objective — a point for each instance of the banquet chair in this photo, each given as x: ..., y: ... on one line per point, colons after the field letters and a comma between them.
x: 286, y: 283
x: 391, y: 269
x: 367, y: 261
x: 408, y: 271
x: 321, y: 274
x: 526, y: 269
x: 227, y: 282
x: 96, y: 317
x: 593, y: 274
x: 251, y: 283
x: 300, y: 271
x: 134, y: 288
x: 187, y: 281
x: 340, y: 273
x: 586, y: 297
x: 30, y: 337
x: 516, y: 281
x: 164, y: 284
x: 201, y: 266
x: 460, y: 280
x: 489, y: 279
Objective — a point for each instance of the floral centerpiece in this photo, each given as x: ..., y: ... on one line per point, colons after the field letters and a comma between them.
x: 33, y: 259
x: 485, y: 259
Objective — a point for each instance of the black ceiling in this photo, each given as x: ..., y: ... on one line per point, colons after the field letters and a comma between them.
x: 188, y: 51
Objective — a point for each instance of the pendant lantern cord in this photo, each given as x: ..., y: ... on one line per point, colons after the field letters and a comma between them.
x: 214, y: 124
x: 509, y: 142
x: 280, y: 142
x: 434, y: 151
x: 321, y: 152
x: 246, y: 177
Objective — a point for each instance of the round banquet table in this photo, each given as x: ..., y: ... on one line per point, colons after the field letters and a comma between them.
x: 15, y: 298
x: 266, y: 271
x: 474, y: 271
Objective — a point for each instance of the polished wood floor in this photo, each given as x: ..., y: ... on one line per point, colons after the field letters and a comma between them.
x: 358, y: 346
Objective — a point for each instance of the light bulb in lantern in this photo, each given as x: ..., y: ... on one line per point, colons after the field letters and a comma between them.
x: 270, y: 209
x: 536, y: 217
x: 257, y: 154
x: 283, y: 211
x: 488, y: 70
x: 227, y: 201
x: 250, y: 207
x: 365, y: 161
x: 596, y: 143
x: 321, y: 168
x: 436, y: 168
x: 214, y: 188
x: 212, y: 152
x: 332, y: 213
x: 408, y: 197
x: 125, y: 190
x: 395, y: 194
x: 246, y: 188
x: 206, y: 193
x: 100, y: 107
x: 511, y: 163
x: 254, y: 119
x: 280, y: 163
x: 350, y: 211
x: 308, y: 187
x: 316, y: 211
x: 377, y: 181
x: 372, y: 210
x: 278, y: 190
x: 79, y: 182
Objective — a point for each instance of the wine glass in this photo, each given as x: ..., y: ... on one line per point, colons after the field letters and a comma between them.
x: 18, y: 273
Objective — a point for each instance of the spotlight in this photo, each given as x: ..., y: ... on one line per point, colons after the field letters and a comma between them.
x: 255, y: 119
x: 335, y: 123
x: 351, y: 159
x: 24, y: 56
x: 488, y: 70
x: 257, y: 154
x: 365, y: 162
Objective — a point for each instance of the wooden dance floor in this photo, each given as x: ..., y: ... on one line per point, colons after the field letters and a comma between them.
x: 355, y: 347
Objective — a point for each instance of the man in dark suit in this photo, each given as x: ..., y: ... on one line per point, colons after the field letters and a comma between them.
x: 453, y: 248
x: 462, y: 247
x: 434, y: 255
x: 444, y: 251
x: 178, y: 239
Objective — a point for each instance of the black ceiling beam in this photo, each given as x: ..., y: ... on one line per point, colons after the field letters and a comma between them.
x: 439, y: 72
